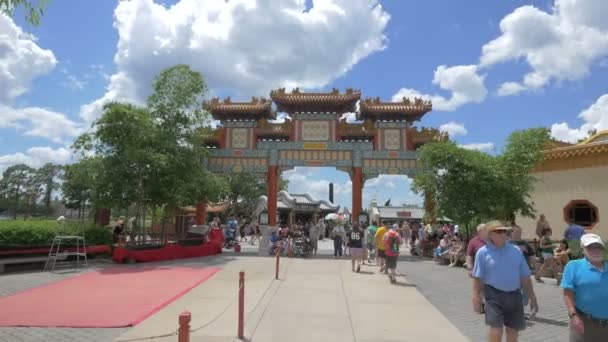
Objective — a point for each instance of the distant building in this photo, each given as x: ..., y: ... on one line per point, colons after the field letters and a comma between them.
x: 572, y: 186
x: 293, y: 208
x: 395, y: 214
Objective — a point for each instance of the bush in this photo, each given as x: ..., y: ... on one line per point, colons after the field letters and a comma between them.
x: 32, y: 233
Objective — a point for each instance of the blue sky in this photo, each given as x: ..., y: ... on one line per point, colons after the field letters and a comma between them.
x: 490, y: 67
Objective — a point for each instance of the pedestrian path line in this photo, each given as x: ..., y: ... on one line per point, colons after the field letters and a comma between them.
x: 350, y: 318
x: 280, y: 283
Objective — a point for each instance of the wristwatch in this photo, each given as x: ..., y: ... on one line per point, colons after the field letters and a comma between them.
x: 572, y: 314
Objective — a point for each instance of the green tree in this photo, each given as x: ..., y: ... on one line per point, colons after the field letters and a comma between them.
x: 34, y: 10
x: 48, y: 175
x: 471, y: 187
x: 459, y: 181
x: 245, y: 189
x: 522, y: 153
x: 79, y: 183
x: 17, y: 186
x: 152, y: 156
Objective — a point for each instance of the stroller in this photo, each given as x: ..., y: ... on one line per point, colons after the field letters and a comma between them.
x: 230, y: 240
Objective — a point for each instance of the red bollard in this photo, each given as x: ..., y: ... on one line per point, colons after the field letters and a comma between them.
x: 241, y: 328
x: 276, y: 271
x: 183, y: 334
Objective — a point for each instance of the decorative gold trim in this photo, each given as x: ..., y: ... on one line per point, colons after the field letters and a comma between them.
x: 314, y: 146
x: 592, y: 152
x: 574, y: 162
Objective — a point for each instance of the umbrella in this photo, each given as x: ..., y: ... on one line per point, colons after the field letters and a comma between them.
x: 332, y: 217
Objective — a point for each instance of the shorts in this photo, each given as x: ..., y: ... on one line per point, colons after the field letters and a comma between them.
x: 391, y: 262
x: 547, y: 256
x: 381, y: 253
x: 504, y: 308
x: 357, y: 252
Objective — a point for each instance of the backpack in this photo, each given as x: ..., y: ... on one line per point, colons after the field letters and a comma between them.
x: 393, y: 243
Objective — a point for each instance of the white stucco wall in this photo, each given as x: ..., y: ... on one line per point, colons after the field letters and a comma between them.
x: 555, y: 189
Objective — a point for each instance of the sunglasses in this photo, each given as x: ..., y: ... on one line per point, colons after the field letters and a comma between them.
x: 500, y: 231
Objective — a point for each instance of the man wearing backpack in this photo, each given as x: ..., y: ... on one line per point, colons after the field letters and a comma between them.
x: 392, y: 241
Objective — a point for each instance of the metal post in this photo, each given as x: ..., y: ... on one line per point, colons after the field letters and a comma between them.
x: 241, y: 328
x: 183, y: 334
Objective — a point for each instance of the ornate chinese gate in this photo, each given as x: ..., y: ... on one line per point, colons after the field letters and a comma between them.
x: 384, y: 142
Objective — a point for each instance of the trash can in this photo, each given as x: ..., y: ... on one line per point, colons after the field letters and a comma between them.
x: 237, y: 248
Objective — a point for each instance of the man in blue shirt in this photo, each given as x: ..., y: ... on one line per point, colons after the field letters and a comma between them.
x: 585, y: 284
x: 503, y: 271
x: 573, y: 231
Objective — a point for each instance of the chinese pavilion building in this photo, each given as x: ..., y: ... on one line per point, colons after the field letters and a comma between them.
x: 301, y: 208
x: 572, y: 186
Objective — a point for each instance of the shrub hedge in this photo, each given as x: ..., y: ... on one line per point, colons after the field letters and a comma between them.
x: 32, y: 233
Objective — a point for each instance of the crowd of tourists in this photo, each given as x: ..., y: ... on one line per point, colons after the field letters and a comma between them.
x: 502, y: 264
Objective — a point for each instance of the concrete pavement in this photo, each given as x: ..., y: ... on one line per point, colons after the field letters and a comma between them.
x: 317, y: 299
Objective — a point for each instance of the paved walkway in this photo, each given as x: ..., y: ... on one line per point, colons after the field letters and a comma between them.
x: 317, y: 299
x: 449, y: 289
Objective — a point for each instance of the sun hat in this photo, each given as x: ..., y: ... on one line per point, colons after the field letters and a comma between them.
x: 494, y: 226
x: 590, y: 239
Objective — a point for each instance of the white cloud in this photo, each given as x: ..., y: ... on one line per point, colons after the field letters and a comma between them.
x: 306, y: 180
x: 100, y: 69
x: 36, y: 157
x: 595, y: 118
x: 311, y: 180
x: 21, y: 60
x: 558, y: 46
x: 72, y: 81
x: 465, y: 85
x: 39, y: 122
x: 454, y: 129
x: 395, y: 187
x: 488, y: 146
x: 510, y: 88
x: 243, y: 46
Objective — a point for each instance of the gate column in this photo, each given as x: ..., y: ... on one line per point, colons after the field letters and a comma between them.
x: 273, y: 187
x: 201, y: 212
x: 357, y: 193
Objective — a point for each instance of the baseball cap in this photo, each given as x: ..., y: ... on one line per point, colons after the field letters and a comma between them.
x: 590, y: 239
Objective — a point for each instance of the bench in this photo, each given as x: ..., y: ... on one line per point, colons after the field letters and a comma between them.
x: 23, y: 260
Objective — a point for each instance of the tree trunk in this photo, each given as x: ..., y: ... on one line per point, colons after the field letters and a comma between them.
x: 163, y: 224
x: 47, y: 201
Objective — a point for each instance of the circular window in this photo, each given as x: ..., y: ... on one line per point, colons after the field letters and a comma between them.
x: 581, y: 212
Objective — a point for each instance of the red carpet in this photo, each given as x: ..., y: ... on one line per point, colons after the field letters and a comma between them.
x: 103, y: 299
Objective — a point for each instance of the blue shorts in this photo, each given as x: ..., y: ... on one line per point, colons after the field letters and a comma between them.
x: 504, y: 308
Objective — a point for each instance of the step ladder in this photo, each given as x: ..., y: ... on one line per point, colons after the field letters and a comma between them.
x: 55, y: 253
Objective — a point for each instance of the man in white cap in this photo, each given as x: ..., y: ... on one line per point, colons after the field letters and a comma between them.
x: 585, y: 284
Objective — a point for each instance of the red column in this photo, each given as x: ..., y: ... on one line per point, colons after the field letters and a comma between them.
x: 292, y: 131
x: 201, y: 212
x: 409, y: 141
x: 357, y: 193
x: 273, y: 188
x: 223, y: 141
